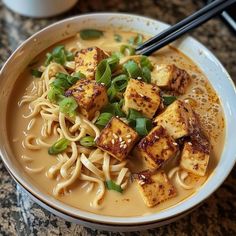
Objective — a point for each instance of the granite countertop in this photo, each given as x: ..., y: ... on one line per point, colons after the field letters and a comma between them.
x: 216, y: 216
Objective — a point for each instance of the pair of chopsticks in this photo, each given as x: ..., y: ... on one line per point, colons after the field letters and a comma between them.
x: 169, y: 35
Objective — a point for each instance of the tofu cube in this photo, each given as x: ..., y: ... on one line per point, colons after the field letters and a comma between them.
x: 87, y: 60
x: 90, y: 96
x: 154, y: 188
x: 170, y: 77
x: 142, y: 97
x: 178, y: 119
x: 157, y: 147
x: 117, y: 139
x: 195, y: 157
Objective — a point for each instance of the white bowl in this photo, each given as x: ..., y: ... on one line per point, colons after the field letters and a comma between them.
x: 39, y: 8
x: 215, y: 72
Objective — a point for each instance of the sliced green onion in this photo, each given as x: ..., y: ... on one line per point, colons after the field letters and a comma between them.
x: 167, y: 100
x: 59, y: 55
x: 117, y: 37
x: 117, y: 54
x: 79, y: 75
x: 146, y: 75
x: 61, y: 81
x: 104, y: 118
x: 88, y: 34
x: 113, y: 61
x: 68, y: 105
x: 55, y: 94
x: 127, y: 50
x: 114, y: 108
x: 113, y: 186
x: 120, y: 82
x: 36, y: 73
x: 132, y: 69
x: 134, y: 114
x: 145, y: 62
x: 138, y: 40
x: 49, y: 59
x: 58, y: 147
x: 87, y: 141
x: 143, y: 126
x: 111, y: 92
x: 69, y: 56
x: 103, y: 73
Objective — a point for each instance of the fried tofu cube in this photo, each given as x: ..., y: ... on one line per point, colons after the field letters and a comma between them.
x: 157, y: 147
x: 170, y: 77
x: 195, y: 157
x: 87, y: 60
x: 178, y: 119
x: 90, y: 96
x: 142, y: 97
x: 117, y: 139
x: 154, y: 188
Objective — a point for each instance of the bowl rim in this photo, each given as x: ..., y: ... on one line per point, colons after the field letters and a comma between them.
x: 111, y: 220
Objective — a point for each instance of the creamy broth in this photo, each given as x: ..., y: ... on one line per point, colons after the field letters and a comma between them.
x: 200, y: 95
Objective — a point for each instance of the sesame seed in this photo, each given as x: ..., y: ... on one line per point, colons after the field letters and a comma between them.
x: 139, y: 78
x: 175, y: 143
x: 129, y: 140
x: 141, y: 95
x: 120, y: 139
x: 125, y: 146
x: 157, y: 137
x: 123, y: 142
x: 143, y: 176
x: 102, y: 84
x: 117, y: 116
x: 189, y: 143
x: 115, y: 136
x: 128, y: 136
x: 113, y: 141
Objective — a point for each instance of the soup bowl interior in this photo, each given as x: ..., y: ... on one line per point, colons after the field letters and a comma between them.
x: 216, y: 74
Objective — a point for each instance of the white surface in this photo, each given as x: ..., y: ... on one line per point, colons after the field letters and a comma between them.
x: 39, y: 8
x: 215, y: 72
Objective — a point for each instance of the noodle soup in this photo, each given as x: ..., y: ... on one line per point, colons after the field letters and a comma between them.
x: 83, y: 138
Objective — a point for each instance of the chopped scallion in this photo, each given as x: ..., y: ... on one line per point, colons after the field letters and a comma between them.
x: 104, y: 118
x: 111, y: 92
x: 55, y: 94
x: 68, y: 105
x: 59, y: 55
x: 113, y: 186
x: 167, y: 100
x: 87, y: 141
x: 36, y: 73
x: 138, y: 40
x: 120, y: 82
x: 58, y: 147
x: 88, y: 34
x: 127, y: 50
x: 117, y: 37
x: 113, y: 61
x: 132, y: 69
x: 145, y: 62
x: 103, y: 73
x: 146, y: 75
x: 143, y: 126
x: 114, y: 108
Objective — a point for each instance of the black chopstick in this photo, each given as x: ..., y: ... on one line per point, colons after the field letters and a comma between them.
x: 182, y: 27
x: 180, y: 24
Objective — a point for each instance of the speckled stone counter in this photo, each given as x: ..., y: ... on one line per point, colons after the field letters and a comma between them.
x: 216, y: 216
